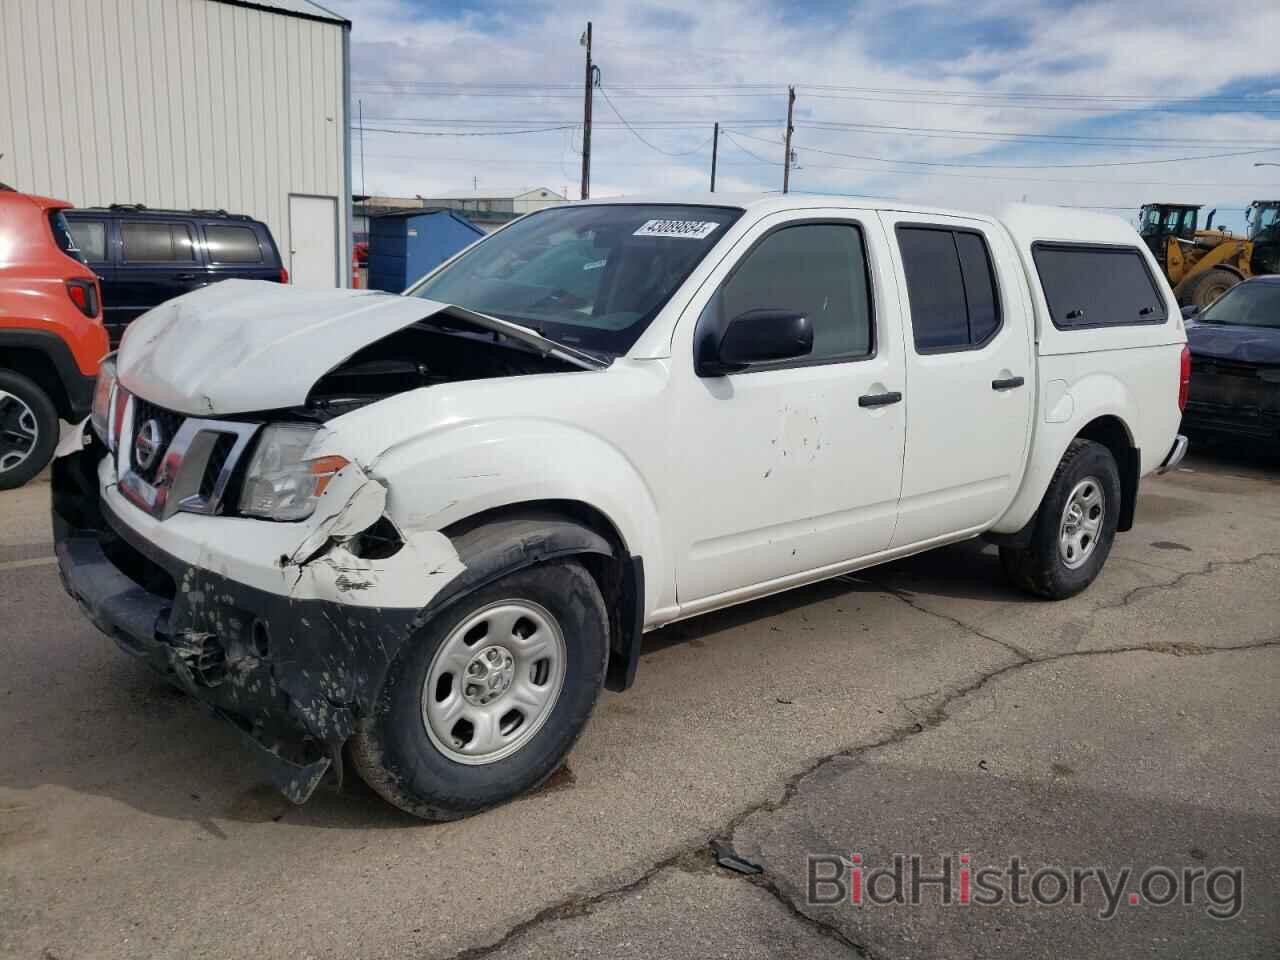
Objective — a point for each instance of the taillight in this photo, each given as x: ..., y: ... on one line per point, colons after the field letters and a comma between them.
x: 84, y: 294
x: 284, y: 275
x: 1184, y: 385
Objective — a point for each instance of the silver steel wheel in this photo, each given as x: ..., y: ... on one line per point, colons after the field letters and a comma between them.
x: 19, y: 431
x: 1082, y: 520
x: 494, y: 681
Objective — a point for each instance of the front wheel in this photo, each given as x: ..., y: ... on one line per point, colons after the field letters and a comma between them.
x: 486, y: 701
x: 1074, y: 528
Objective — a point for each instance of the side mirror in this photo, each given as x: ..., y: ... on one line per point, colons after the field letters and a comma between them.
x: 756, y: 336
x: 1190, y: 311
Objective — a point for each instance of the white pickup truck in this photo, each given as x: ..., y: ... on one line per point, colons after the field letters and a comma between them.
x: 420, y: 532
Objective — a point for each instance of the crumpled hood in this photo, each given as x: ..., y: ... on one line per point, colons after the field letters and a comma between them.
x: 240, y: 346
x: 1260, y: 345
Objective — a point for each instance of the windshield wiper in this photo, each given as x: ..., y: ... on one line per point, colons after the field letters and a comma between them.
x: 530, y: 336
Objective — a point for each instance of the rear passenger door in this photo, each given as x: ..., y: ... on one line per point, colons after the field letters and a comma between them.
x: 970, y: 374
x: 159, y: 260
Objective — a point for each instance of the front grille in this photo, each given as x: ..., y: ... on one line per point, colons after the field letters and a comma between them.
x: 169, y: 424
x: 1223, y: 368
x: 217, y: 460
x: 194, y: 459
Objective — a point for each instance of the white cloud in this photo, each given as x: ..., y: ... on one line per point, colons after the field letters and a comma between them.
x: 1148, y: 49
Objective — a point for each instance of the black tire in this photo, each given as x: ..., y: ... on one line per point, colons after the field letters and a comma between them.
x: 1209, y: 286
x: 1040, y: 568
x: 391, y: 749
x: 29, y: 398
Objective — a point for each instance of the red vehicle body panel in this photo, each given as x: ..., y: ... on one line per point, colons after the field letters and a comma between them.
x: 34, y: 272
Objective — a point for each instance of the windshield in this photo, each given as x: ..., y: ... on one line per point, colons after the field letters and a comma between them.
x: 1246, y: 305
x: 1265, y: 219
x: 592, y: 277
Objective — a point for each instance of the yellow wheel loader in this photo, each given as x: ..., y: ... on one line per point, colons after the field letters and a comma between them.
x: 1201, y: 265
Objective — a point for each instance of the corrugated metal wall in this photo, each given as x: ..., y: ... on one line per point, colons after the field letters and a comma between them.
x: 173, y: 103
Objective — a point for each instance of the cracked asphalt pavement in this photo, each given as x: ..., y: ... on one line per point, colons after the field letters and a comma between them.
x: 918, y: 708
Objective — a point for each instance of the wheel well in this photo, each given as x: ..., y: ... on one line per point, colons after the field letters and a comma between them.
x: 1111, y: 432
x: 618, y: 574
x: 37, y: 367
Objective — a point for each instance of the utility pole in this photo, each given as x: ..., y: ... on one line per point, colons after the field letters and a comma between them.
x: 360, y: 104
x: 715, y: 146
x: 786, y: 161
x: 586, y: 118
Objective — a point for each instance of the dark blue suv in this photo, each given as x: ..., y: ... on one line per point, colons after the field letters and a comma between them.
x: 144, y: 256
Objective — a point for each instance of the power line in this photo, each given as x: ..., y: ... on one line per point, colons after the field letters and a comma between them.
x: 464, y: 133
x: 636, y: 134
x: 759, y: 158
x: 1033, y: 166
x: 1005, y: 136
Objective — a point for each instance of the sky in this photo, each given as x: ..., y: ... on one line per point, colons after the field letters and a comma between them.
x: 967, y: 105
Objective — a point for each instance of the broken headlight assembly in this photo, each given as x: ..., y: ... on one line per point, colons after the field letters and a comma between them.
x: 108, y: 403
x: 281, y: 482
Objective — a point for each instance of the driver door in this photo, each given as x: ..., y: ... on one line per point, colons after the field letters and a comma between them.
x: 790, y: 467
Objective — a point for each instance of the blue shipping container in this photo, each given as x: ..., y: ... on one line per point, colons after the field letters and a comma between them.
x: 405, y: 246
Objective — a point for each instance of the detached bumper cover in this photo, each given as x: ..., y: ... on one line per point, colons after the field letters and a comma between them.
x: 291, y: 675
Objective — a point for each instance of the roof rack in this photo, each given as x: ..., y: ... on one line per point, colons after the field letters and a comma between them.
x: 199, y: 212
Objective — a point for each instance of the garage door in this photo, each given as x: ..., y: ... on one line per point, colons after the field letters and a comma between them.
x: 313, y: 241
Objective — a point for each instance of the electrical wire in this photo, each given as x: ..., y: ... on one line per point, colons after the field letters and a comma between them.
x: 636, y: 134
x: 729, y: 136
x: 1035, y: 166
x: 462, y: 133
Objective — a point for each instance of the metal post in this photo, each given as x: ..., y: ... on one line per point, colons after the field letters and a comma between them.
x: 786, y: 161
x: 586, y: 122
x: 715, y: 146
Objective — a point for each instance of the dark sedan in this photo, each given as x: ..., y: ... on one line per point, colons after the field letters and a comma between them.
x: 1235, y: 363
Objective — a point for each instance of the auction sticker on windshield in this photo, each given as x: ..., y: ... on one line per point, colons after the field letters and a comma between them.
x: 682, y: 229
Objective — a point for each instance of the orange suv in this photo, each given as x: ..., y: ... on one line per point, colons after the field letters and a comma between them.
x: 51, y: 333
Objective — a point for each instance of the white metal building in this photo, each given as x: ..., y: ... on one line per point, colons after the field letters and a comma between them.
x: 211, y: 104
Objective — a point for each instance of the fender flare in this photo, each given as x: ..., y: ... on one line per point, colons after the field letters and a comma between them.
x: 74, y: 398
x: 495, y: 547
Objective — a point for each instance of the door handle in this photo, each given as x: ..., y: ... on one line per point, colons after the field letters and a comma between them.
x: 879, y: 399
x: 185, y: 276
x: 1007, y: 384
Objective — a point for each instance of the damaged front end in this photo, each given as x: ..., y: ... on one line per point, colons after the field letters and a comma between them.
x: 291, y: 669
x: 204, y: 530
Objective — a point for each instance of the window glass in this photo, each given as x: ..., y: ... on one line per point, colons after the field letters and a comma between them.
x: 818, y: 269
x: 1097, y: 286
x: 90, y: 237
x: 935, y: 288
x: 1246, y: 305
x: 62, y: 235
x: 158, y: 241
x: 979, y: 286
x: 232, y: 244
x: 590, y: 276
x: 951, y: 288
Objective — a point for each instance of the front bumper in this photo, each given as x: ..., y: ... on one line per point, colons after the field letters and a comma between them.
x: 292, y: 675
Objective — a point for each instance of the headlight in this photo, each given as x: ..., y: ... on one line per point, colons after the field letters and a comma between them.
x: 104, y: 402
x: 281, y: 483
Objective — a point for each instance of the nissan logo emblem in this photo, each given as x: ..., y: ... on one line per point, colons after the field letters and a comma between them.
x: 146, y: 446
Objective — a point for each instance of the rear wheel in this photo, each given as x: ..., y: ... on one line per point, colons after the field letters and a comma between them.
x: 487, y: 700
x: 1209, y: 286
x: 28, y: 429
x: 1074, y: 528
